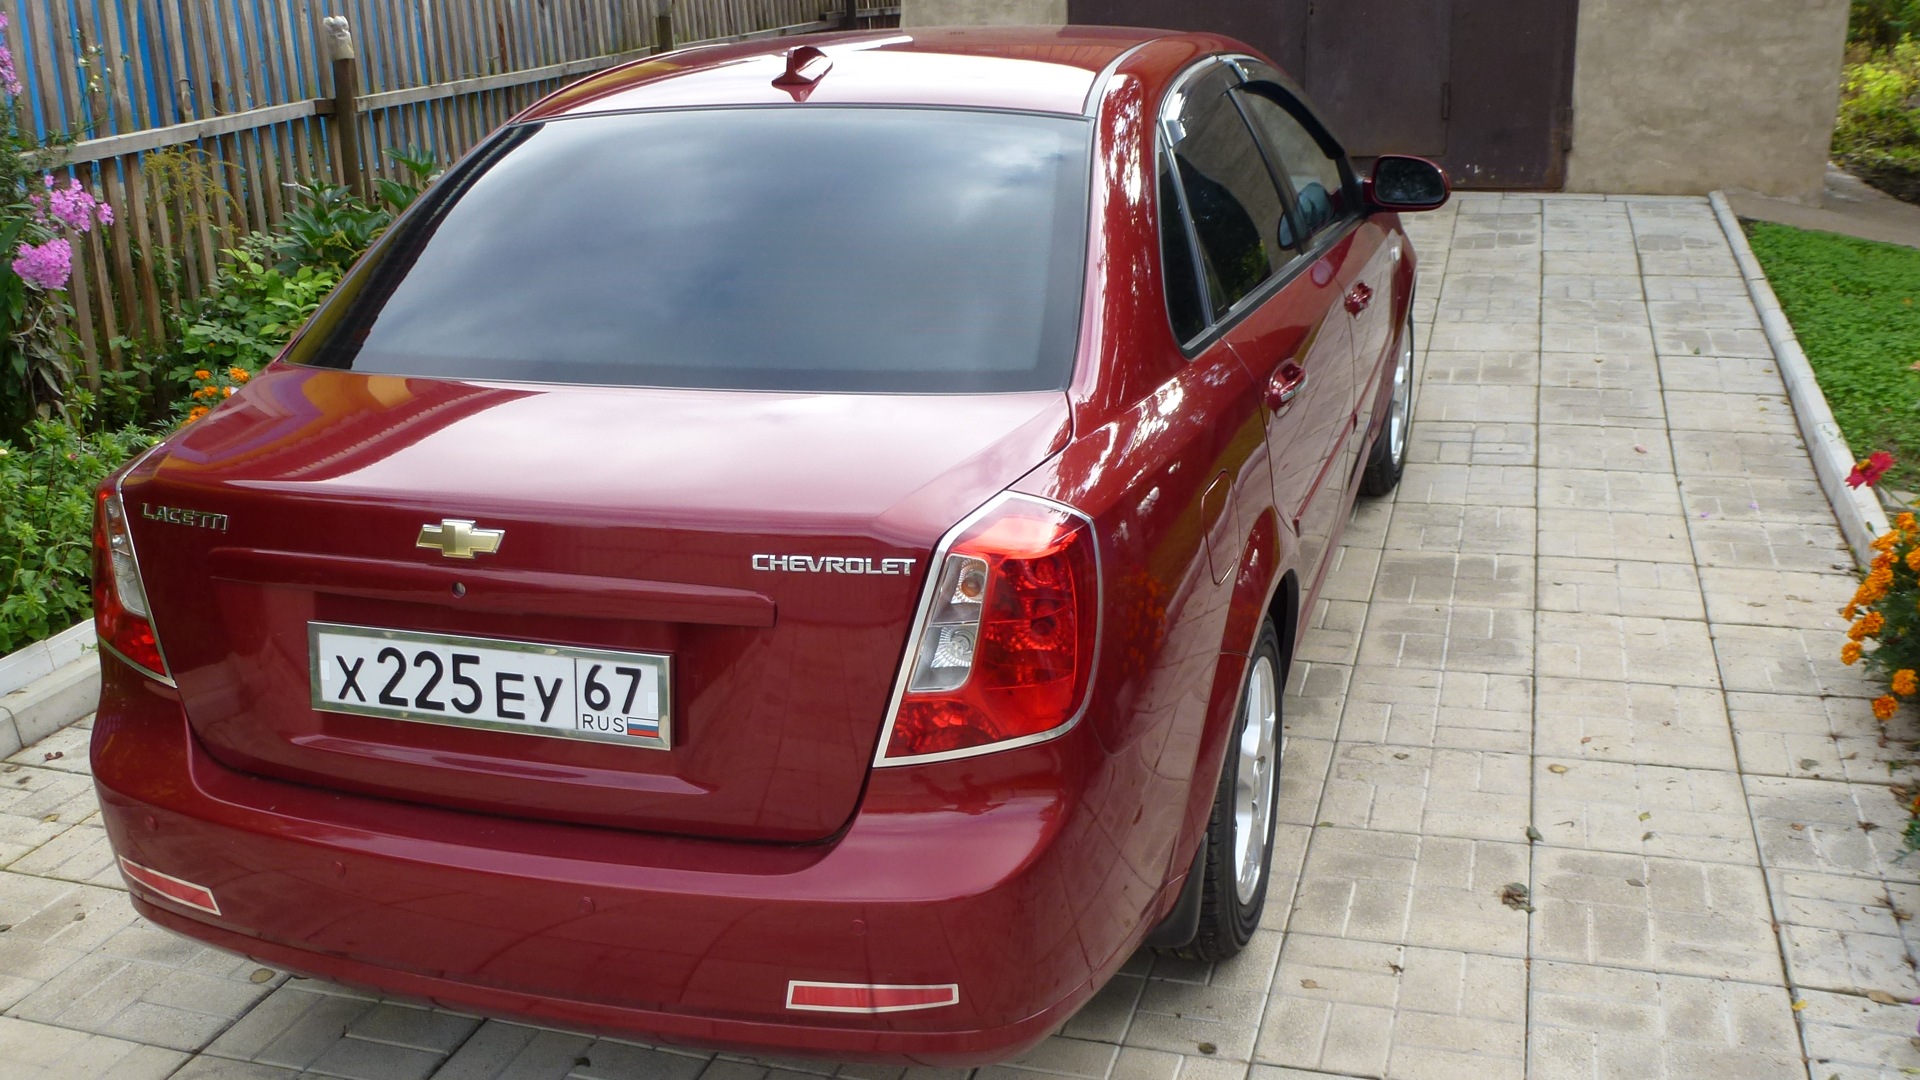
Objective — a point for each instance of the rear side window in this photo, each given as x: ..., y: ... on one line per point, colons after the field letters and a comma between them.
x: 1319, y: 190
x: 1186, y: 309
x: 1228, y: 192
x: 794, y: 248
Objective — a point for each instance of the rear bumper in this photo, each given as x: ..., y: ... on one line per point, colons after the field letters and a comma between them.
x: 1009, y: 889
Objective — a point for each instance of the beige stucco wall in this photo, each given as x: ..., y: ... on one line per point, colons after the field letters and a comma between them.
x: 1685, y: 96
x: 983, y: 12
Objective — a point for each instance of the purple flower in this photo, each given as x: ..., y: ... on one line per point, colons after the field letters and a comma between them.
x: 8, y: 78
x: 45, y: 266
x: 73, y: 206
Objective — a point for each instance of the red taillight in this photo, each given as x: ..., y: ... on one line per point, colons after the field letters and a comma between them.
x: 119, y: 596
x: 1005, y: 645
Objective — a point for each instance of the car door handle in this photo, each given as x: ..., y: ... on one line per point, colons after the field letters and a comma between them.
x: 1359, y: 298
x: 1285, y: 385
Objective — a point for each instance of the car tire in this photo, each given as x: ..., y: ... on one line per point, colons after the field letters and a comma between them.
x: 1389, y: 455
x: 1234, y: 890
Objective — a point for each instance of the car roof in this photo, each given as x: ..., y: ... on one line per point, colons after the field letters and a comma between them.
x: 1040, y: 69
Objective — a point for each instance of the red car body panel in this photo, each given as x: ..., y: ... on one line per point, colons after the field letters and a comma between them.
x: 675, y: 895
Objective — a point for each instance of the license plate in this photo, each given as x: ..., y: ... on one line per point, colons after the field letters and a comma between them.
x: 518, y: 686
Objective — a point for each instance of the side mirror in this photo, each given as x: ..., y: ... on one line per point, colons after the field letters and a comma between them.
x: 1406, y: 183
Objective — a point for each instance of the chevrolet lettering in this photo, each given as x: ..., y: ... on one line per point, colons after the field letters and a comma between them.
x: 832, y: 564
x: 1076, y: 345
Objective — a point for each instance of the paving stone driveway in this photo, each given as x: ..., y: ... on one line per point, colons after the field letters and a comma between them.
x: 1600, y: 606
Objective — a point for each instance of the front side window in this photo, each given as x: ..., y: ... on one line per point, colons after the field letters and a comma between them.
x: 1229, y: 194
x: 807, y: 248
x: 1319, y: 189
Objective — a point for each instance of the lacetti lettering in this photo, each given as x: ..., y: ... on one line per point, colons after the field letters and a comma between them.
x: 181, y: 516
x: 832, y: 564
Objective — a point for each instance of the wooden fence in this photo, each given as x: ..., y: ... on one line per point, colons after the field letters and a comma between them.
x: 191, y: 116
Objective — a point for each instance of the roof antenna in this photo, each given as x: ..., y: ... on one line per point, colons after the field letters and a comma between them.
x: 805, y: 65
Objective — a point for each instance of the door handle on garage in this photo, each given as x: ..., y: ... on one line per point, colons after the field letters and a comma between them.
x: 1285, y: 385
x: 1359, y: 298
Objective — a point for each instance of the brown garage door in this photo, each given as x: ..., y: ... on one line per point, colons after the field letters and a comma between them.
x: 1483, y: 86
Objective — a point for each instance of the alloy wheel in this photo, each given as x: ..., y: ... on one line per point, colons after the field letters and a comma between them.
x: 1253, y: 779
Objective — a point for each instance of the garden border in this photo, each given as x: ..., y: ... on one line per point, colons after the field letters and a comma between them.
x: 48, y: 685
x: 1858, y: 510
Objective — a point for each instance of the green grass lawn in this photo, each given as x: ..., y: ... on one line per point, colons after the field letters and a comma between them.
x: 1855, y: 305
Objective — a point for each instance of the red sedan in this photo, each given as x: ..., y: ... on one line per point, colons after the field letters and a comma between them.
x: 793, y: 550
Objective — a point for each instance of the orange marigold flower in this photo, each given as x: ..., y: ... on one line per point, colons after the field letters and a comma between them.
x: 239, y: 374
x: 1880, y: 580
x: 1905, y: 682
x: 1873, y: 621
x: 1883, y: 561
x: 1883, y: 542
x: 203, y: 373
x: 1906, y: 523
x: 228, y: 391
x: 197, y: 412
x: 1913, y: 560
x: 1850, y: 653
x: 1884, y: 705
x: 1850, y: 611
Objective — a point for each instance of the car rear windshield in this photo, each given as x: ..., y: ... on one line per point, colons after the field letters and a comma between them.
x: 782, y: 248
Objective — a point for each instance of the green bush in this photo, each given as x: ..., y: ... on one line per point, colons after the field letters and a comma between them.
x: 251, y: 311
x: 1882, y: 24
x: 1877, y: 133
x: 46, y: 521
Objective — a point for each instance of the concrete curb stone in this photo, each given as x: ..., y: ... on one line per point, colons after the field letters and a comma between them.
x: 1859, y: 512
x: 47, y: 686
x: 40, y: 659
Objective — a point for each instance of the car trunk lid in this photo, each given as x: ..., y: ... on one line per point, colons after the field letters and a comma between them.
x: 770, y: 545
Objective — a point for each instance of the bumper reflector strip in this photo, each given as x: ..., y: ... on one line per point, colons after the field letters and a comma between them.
x: 194, y: 896
x: 866, y: 998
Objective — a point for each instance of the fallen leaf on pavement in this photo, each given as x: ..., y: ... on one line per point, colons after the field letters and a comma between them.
x: 1883, y: 998
x: 1309, y: 984
x: 1515, y: 896
x: 1556, y: 769
x: 1534, y: 834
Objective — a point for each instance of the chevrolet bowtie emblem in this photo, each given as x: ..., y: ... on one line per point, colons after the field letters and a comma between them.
x: 457, y: 539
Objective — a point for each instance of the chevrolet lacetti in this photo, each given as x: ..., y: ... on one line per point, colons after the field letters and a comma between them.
x: 783, y: 549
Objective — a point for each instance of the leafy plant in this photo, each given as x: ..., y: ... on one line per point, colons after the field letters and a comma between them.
x: 1877, y: 131
x: 46, y: 521
x: 332, y: 226
x: 329, y: 229
x: 1882, y: 24
x: 253, y: 308
x: 421, y: 169
x: 39, y: 217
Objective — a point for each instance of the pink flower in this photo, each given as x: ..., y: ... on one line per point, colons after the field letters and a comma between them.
x: 45, y: 266
x: 105, y: 213
x: 8, y: 78
x: 73, y: 206
x: 1870, y: 471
